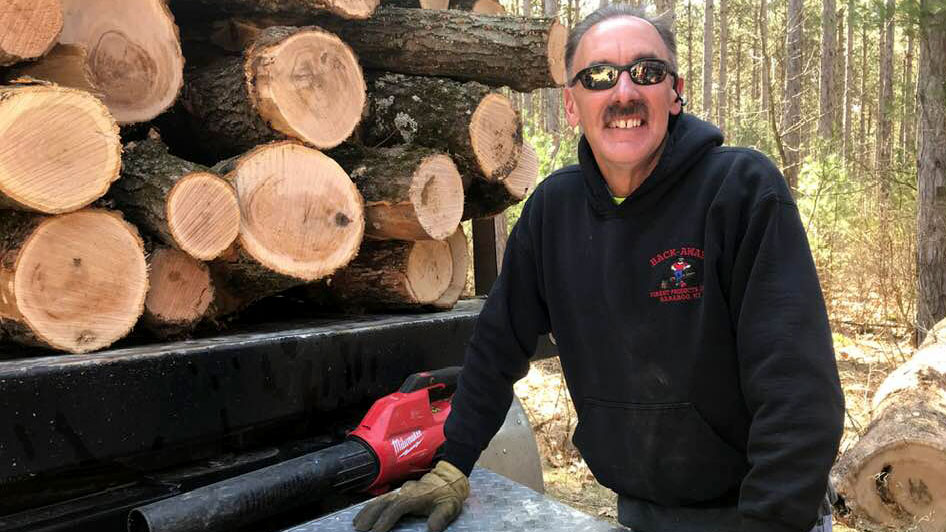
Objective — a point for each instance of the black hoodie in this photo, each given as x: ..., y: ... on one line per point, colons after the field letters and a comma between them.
x: 692, y: 333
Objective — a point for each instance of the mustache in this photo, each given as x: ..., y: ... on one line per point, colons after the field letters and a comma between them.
x: 617, y: 110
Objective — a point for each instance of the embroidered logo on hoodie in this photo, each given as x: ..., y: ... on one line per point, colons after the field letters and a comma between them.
x: 678, y: 274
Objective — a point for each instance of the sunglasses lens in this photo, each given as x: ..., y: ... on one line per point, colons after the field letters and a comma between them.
x: 648, y: 72
x: 600, y: 77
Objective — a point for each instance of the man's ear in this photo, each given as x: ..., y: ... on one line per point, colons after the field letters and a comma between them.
x: 679, y: 100
x: 571, y: 109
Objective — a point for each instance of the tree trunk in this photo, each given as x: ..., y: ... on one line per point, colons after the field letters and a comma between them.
x: 134, y: 53
x: 862, y: 99
x: 894, y: 477
x: 738, y: 92
x: 66, y: 65
x: 28, y: 29
x: 179, y: 202
x: 826, y: 117
x: 459, y: 45
x: 303, y: 83
x: 62, y: 151
x: 708, y: 60
x: 723, y: 63
x: 74, y: 282
x: 302, y: 219
x: 395, y: 274
x: 885, y: 97
x: 690, y: 78
x: 908, y: 124
x: 485, y: 199
x: 289, y: 12
x: 410, y: 192
x: 769, y: 101
x: 552, y: 96
x: 793, y: 76
x: 931, y: 179
x: 849, y: 83
x: 179, y: 295
x: 476, y: 125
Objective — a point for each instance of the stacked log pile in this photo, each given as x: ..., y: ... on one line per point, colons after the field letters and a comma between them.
x: 332, y: 145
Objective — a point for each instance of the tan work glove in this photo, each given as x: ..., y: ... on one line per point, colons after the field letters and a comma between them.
x: 438, y: 494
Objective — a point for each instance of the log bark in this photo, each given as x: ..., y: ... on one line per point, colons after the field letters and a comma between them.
x: 302, y: 219
x: 59, y: 150
x: 486, y: 199
x: 479, y: 128
x: 455, y: 44
x: 179, y: 295
x: 134, y: 53
x: 894, y: 477
x: 66, y: 65
x: 288, y: 11
x: 180, y: 202
x: 410, y: 192
x: 303, y: 83
x: 28, y: 29
x: 395, y: 274
x: 74, y: 282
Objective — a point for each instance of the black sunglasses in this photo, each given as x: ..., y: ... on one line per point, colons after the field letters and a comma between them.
x: 646, y: 71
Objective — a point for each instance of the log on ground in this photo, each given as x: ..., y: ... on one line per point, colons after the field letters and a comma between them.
x: 134, y: 53
x: 182, y: 203
x: 59, y: 148
x: 302, y: 219
x: 179, y: 295
x: 410, y: 192
x: 460, y: 45
x: 894, y: 477
x: 304, y: 83
x: 485, y: 199
x: 28, y: 29
x: 477, y: 126
x: 66, y: 65
x: 74, y: 282
x: 395, y: 274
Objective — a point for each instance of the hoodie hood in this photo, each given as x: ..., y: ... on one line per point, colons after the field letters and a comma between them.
x: 688, y: 140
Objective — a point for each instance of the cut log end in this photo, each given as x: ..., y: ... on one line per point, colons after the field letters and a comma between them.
x: 488, y: 7
x: 556, y: 52
x: 437, y: 196
x: 134, y: 53
x: 302, y: 215
x: 29, y: 29
x: 353, y: 9
x: 429, y: 270
x: 83, y: 280
x: 66, y: 65
x: 434, y: 4
x: 523, y: 178
x: 59, y: 148
x: 180, y: 291
x: 496, y: 136
x: 203, y: 215
x: 460, y: 257
x: 308, y: 86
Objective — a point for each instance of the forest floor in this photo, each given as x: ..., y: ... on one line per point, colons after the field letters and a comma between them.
x: 864, y: 360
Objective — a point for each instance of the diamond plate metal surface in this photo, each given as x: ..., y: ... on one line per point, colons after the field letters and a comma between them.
x: 495, y: 504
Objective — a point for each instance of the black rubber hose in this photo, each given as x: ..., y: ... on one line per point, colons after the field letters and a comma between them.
x: 254, y: 496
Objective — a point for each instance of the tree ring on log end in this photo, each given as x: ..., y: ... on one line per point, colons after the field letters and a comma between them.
x: 181, y: 290
x: 437, y: 196
x: 203, y: 215
x: 496, y: 136
x: 301, y: 215
x: 521, y: 180
x: 460, y: 257
x: 81, y: 280
x: 59, y: 148
x: 134, y: 53
x: 308, y: 86
x: 429, y: 270
x: 556, y: 51
x: 30, y: 28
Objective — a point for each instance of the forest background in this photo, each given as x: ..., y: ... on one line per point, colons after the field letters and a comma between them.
x: 848, y: 98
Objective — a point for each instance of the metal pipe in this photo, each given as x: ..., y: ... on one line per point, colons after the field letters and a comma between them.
x: 247, y: 498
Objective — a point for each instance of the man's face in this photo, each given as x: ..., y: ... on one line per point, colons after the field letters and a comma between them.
x: 626, y: 124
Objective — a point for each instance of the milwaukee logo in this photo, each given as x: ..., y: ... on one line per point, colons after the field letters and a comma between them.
x: 403, y: 446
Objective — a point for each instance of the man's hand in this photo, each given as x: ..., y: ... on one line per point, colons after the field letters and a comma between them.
x: 438, y: 494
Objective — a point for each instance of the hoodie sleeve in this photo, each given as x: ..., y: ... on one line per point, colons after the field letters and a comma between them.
x: 503, y: 340
x: 787, y: 368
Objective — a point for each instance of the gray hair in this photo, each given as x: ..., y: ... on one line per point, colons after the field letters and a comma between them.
x: 662, y: 23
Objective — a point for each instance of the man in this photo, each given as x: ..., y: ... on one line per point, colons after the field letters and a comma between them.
x: 676, y: 277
